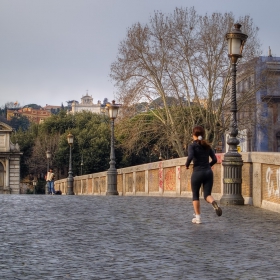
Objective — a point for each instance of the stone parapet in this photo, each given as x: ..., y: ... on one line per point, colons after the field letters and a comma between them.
x: 260, y: 180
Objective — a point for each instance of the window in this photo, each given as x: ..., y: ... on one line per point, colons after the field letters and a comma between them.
x: 278, y: 112
x: 278, y: 141
x: 238, y: 87
x: 249, y: 82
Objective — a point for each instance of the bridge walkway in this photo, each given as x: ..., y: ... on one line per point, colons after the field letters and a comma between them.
x: 114, y: 237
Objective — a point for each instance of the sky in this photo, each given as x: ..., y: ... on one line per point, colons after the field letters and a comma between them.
x: 52, y: 51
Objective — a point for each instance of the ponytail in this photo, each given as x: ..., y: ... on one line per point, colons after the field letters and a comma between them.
x: 204, y: 144
x: 199, y: 132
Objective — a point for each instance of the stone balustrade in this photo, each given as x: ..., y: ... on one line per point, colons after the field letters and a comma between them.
x: 260, y: 180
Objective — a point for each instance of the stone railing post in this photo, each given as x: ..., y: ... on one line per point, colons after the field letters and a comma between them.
x: 257, y: 184
x: 178, y: 180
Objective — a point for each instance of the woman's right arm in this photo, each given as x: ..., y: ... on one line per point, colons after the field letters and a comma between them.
x: 190, y: 156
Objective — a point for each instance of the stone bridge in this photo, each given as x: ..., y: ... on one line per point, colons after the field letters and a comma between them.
x: 260, y: 180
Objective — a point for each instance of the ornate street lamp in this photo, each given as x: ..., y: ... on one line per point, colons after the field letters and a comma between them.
x: 70, y: 179
x: 82, y: 164
x: 112, y: 171
x: 34, y: 186
x: 233, y: 160
x: 48, y: 156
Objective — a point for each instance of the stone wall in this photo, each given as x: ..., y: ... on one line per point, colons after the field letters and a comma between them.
x: 260, y: 180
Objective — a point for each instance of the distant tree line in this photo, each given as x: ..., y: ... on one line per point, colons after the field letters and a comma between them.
x: 92, y: 140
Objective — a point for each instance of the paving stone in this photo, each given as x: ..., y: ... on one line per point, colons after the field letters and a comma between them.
x: 114, y: 237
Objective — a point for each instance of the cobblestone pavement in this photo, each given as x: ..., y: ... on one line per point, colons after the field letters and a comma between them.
x: 111, y: 237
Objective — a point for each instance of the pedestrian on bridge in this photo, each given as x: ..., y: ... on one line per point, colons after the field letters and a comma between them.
x: 50, y: 181
x: 199, y: 152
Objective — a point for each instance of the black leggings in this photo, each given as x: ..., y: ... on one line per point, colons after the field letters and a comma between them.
x: 202, y: 177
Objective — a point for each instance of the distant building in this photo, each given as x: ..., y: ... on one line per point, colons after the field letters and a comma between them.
x: 33, y: 115
x: 86, y: 105
x: 52, y: 108
x: 69, y: 104
x: 267, y: 132
x: 259, y: 123
x: 9, y: 162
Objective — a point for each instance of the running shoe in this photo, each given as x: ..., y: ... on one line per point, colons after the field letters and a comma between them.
x: 217, y: 208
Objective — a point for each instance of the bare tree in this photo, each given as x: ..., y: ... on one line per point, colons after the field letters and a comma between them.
x: 181, y: 55
x: 12, y: 105
x: 38, y: 160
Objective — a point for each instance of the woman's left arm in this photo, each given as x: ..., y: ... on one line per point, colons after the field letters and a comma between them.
x: 190, y: 156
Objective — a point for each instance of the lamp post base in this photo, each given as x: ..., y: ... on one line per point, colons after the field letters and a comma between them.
x: 112, y: 193
x: 232, y: 181
x: 70, y: 191
x: 232, y: 199
x: 112, y: 182
x: 70, y: 187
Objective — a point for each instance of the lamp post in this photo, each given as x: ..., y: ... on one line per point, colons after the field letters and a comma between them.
x: 112, y: 171
x: 233, y: 162
x: 82, y: 163
x: 48, y: 156
x: 34, y: 186
x: 70, y: 179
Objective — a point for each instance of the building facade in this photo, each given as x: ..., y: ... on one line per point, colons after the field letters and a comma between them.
x: 86, y: 105
x: 259, y: 113
x: 267, y: 131
x: 9, y: 162
x: 52, y: 108
x: 33, y: 115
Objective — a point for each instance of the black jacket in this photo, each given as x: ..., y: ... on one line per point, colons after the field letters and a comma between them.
x: 200, y: 156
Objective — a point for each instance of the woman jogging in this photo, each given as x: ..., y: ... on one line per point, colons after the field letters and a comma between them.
x: 199, y: 152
